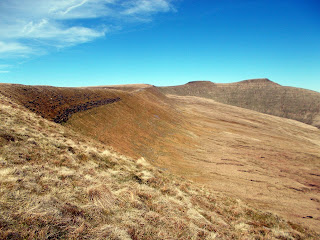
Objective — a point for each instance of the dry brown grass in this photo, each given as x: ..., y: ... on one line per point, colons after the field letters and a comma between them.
x: 56, y: 184
x: 267, y: 161
x: 136, y: 126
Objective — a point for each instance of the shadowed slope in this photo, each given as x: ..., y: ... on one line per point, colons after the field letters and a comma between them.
x: 58, y: 104
x: 261, y: 95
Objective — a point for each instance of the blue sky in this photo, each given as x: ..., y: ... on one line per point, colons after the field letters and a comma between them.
x: 160, y: 42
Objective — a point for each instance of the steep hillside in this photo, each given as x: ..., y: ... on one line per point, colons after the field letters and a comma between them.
x: 127, y: 120
x: 143, y: 123
x: 57, y: 184
x: 265, y: 160
x: 261, y: 95
x: 58, y: 104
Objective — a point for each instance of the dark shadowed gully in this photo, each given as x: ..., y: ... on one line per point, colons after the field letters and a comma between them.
x: 66, y: 114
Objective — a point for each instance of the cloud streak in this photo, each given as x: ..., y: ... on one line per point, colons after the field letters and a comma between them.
x: 146, y: 7
x: 28, y: 27
x: 13, y: 48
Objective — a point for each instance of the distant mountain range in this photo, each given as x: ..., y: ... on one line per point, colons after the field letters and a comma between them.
x: 260, y: 95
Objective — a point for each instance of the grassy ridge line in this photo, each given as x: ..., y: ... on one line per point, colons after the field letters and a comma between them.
x: 55, y: 184
x: 260, y: 95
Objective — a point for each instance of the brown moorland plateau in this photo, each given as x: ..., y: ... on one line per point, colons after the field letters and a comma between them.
x: 268, y: 162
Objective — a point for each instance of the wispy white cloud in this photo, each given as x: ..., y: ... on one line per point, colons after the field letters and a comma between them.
x: 4, y: 66
x: 13, y: 48
x: 74, y: 6
x: 4, y: 71
x: 28, y: 26
x: 146, y: 7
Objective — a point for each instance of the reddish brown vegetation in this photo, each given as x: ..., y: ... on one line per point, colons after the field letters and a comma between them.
x: 58, y: 104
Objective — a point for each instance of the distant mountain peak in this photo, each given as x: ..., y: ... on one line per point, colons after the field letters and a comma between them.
x: 258, y: 81
x: 200, y: 82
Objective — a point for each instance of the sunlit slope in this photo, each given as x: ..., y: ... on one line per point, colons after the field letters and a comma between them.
x: 144, y: 123
x: 57, y: 184
x: 129, y: 120
x: 269, y: 161
x: 261, y: 95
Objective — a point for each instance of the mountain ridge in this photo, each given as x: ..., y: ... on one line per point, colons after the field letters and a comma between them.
x: 262, y: 95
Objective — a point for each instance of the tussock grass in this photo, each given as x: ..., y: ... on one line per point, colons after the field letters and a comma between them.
x: 56, y: 184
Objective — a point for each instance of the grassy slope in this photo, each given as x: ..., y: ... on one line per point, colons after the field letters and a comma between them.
x: 143, y: 123
x: 269, y: 161
x: 55, y: 184
x: 260, y: 95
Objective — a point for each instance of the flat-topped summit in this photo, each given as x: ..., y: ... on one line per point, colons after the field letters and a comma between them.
x: 258, y: 81
x: 199, y: 82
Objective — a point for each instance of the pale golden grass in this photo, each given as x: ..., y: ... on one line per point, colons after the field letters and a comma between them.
x: 56, y: 184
